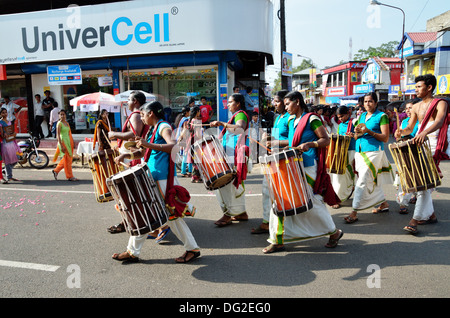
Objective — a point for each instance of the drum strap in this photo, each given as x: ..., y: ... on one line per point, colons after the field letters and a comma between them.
x: 322, y: 184
x: 176, y: 197
x: 144, y: 131
x: 442, y: 143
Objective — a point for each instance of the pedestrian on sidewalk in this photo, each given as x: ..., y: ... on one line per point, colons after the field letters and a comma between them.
x: 65, y: 148
x: 9, y: 147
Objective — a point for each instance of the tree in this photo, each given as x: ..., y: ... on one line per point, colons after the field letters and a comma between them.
x: 303, y: 66
x: 388, y: 49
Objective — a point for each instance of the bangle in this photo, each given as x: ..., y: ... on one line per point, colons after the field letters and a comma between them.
x: 225, y: 125
x: 131, y: 156
x: 316, y: 144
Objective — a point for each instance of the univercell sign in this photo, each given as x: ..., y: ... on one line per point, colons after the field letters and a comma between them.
x: 122, y: 31
x: 136, y: 27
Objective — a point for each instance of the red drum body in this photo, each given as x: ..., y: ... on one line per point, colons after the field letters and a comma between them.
x: 210, y: 158
x: 102, y: 167
x: 139, y: 200
x: 287, y: 183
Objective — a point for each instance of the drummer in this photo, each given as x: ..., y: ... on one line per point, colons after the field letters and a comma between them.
x: 158, y: 156
x: 316, y: 222
x: 374, y: 169
x: 432, y: 115
x: 133, y: 127
x: 344, y: 184
x: 277, y: 139
x: 403, y: 199
x: 232, y: 196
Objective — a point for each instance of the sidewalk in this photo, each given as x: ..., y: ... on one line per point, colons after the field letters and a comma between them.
x: 49, y: 146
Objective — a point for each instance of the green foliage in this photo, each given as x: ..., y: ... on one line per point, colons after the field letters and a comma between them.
x: 385, y: 50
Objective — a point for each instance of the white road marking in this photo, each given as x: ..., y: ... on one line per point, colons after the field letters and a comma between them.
x: 39, y: 267
x: 92, y: 192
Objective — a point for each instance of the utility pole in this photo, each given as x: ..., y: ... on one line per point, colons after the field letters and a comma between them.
x: 282, y: 17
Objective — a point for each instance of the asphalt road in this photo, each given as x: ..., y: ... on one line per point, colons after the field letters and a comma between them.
x: 54, y: 244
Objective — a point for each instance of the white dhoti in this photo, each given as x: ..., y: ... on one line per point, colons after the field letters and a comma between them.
x: 374, y: 170
x: 178, y: 226
x: 311, y: 224
x: 343, y: 184
x: 231, y: 200
x: 266, y: 201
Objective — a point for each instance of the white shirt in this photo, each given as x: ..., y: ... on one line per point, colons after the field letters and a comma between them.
x: 10, y: 108
x: 54, y: 115
x: 38, y: 111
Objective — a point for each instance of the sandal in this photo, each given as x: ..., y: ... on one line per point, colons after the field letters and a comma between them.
x: 332, y: 243
x: 429, y: 221
x: 223, y: 221
x: 412, y: 229
x: 125, y: 257
x: 162, y: 235
x: 185, y: 259
x: 273, y: 248
x: 403, y: 210
x: 240, y: 217
x: 259, y: 230
x: 118, y: 228
x: 380, y: 210
x: 350, y: 219
x: 336, y: 206
x: 55, y: 175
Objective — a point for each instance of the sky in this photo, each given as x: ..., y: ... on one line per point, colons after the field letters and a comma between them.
x: 321, y: 29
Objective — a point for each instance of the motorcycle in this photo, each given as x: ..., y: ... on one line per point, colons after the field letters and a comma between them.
x: 36, y: 158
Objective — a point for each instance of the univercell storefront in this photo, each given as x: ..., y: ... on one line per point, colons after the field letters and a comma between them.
x: 172, y: 49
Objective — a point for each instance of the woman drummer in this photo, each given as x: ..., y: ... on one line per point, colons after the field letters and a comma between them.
x: 232, y: 196
x: 374, y: 169
x: 158, y: 161
x: 316, y: 222
x: 277, y: 139
x: 343, y: 184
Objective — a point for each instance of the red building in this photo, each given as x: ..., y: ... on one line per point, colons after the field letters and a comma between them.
x: 346, y: 80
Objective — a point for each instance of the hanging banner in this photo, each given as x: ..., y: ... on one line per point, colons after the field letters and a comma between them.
x: 64, y: 75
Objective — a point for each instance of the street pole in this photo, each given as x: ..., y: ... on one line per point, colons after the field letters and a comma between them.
x: 377, y: 3
x: 282, y: 17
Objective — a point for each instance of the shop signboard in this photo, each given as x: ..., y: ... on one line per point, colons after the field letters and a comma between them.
x: 146, y: 27
x: 443, y: 86
x: 287, y: 64
x: 336, y: 91
x: 64, y: 75
x: 363, y: 88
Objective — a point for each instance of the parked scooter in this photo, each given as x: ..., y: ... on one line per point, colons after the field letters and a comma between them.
x: 36, y: 158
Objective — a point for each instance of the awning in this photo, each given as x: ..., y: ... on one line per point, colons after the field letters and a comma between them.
x: 352, y: 97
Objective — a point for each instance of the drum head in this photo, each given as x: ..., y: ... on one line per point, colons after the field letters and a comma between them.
x: 220, y: 180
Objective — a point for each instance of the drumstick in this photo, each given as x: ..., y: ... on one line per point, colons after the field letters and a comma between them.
x: 104, y: 134
x: 125, y: 165
x: 259, y: 144
x: 398, y: 119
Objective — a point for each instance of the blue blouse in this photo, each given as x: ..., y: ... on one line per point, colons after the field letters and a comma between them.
x: 405, y: 123
x: 366, y: 142
x: 310, y: 156
x: 280, y: 129
x: 342, y: 130
x: 158, y: 162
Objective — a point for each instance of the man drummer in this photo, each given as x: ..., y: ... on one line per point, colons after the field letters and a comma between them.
x: 133, y: 127
x: 432, y: 115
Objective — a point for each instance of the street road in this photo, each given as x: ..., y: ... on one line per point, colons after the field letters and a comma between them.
x: 54, y: 243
